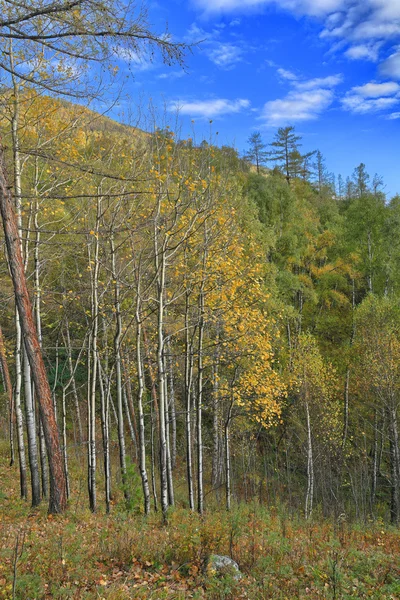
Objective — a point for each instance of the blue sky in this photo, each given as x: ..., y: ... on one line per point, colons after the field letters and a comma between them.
x: 331, y: 68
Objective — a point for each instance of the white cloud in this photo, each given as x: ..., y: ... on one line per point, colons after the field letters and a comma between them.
x: 172, y: 75
x: 391, y: 66
x: 364, y: 52
x: 358, y: 104
x: 359, y: 29
x: 372, y: 97
x: 225, y: 55
x: 285, y: 74
x: 377, y: 90
x: 362, y: 21
x: 364, y: 24
x: 209, y: 109
x: 305, y: 102
x: 297, y: 106
x: 196, y: 34
x: 306, y: 7
x: 393, y: 116
x: 320, y: 82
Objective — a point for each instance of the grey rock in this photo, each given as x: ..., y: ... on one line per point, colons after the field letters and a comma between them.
x: 223, y: 565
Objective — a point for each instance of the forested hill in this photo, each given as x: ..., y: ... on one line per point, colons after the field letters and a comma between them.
x: 218, y: 324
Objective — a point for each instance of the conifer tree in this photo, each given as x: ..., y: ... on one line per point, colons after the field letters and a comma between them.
x: 285, y: 152
x: 257, y: 152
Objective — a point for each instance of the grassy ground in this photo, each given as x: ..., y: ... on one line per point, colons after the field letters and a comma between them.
x: 121, y: 556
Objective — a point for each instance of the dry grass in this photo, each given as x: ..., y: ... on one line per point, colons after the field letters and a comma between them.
x: 121, y: 556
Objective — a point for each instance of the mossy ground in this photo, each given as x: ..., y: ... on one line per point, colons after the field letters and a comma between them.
x: 124, y: 555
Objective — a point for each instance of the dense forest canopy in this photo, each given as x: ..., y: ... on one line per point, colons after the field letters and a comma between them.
x: 232, y: 326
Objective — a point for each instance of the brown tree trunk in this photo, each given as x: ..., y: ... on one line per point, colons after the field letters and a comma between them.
x: 58, y: 497
x: 8, y: 386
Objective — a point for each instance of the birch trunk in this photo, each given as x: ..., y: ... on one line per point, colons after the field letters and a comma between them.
x: 43, y: 460
x: 228, y: 457
x: 118, y: 367
x: 130, y: 409
x: 200, y: 492
x: 170, y: 481
x: 153, y: 459
x: 375, y: 460
x: 171, y: 403
x: 142, y: 438
x: 310, y: 467
x: 73, y: 383
x: 394, y: 466
x: 188, y: 403
x: 94, y: 361
x: 154, y: 414
x: 18, y: 409
x: 215, y: 429
x: 129, y: 421
x: 38, y: 321
x: 105, y: 430
x: 161, y: 389
x: 31, y: 432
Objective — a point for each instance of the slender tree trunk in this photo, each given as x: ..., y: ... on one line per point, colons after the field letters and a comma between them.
x: 228, y: 457
x: 18, y: 409
x: 118, y: 367
x: 31, y: 431
x: 142, y: 438
x: 171, y: 403
x: 129, y: 420
x: 154, y: 414
x: 188, y: 403
x: 130, y: 409
x: 375, y: 460
x: 370, y: 259
x: 94, y: 360
x: 287, y: 164
x: 43, y: 460
x: 38, y: 291
x: 310, y: 467
x: 394, y: 466
x: 38, y: 318
x: 73, y: 383
x: 58, y: 499
x: 160, y: 270
x: 216, y: 416
x: 346, y: 409
x: 54, y: 389
x: 38, y: 321
x: 105, y: 426
x: 9, y: 392
x: 161, y: 389
x: 170, y: 481
x: 29, y: 405
x: 153, y: 457
x: 19, y: 337
x: 64, y: 435
x: 200, y: 492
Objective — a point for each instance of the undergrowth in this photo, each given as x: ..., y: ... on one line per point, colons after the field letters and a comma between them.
x: 124, y: 555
